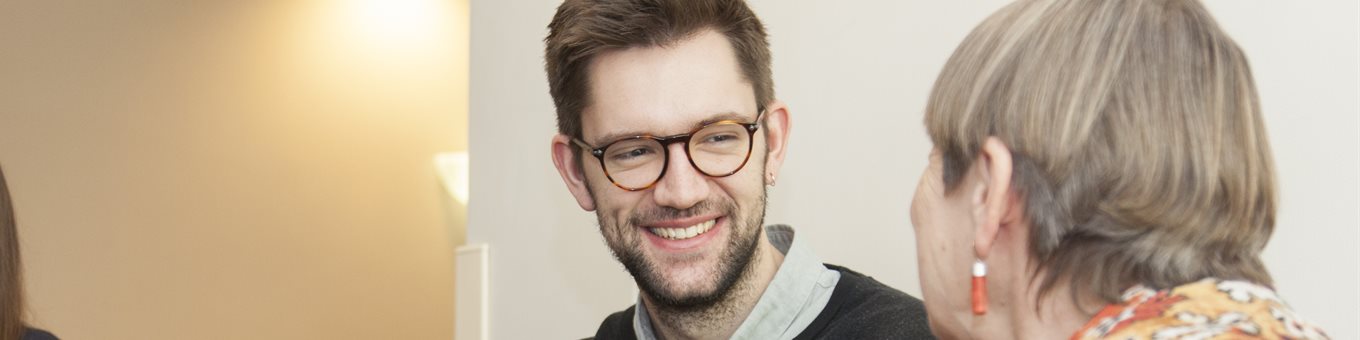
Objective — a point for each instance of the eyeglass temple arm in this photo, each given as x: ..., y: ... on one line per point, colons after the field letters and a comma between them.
x: 598, y: 153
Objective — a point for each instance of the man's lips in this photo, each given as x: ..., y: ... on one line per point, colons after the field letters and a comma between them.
x: 681, y: 222
x: 683, y: 233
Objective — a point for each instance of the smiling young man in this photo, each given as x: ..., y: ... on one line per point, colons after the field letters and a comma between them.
x: 670, y: 132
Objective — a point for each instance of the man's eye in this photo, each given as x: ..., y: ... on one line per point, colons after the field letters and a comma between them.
x: 719, y: 138
x: 632, y: 154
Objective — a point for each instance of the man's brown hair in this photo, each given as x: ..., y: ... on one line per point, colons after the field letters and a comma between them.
x: 582, y: 29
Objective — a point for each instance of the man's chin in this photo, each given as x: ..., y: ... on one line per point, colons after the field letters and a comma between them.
x: 683, y: 296
x: 696, y: 283
x: 682, y: 285
x: 694, y: 271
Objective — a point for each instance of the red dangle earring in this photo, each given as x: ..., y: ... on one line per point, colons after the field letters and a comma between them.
x: 979, y: 287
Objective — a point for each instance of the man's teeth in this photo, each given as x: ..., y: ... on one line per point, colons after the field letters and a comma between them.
x: 684, y: 233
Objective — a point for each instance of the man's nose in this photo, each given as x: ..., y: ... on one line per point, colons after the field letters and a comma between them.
x: 682, y: 186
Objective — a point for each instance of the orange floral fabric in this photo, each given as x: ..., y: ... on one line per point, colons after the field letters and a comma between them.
x: 1207, y: 309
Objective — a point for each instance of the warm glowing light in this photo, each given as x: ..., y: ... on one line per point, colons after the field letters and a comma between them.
x: 403, y: 49
x: 396, y: 21
x: 401, y: 24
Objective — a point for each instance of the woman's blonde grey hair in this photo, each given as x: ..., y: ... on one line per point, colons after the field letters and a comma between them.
x: 1137, y: 140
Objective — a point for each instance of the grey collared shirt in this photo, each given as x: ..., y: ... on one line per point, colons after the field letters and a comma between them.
x: 794, y: 298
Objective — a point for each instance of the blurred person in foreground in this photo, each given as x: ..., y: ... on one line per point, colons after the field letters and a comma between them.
x: 1100, y: 171
x: 12, y: 308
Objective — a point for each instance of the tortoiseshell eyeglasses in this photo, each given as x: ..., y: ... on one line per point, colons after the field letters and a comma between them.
x: 717, y: 149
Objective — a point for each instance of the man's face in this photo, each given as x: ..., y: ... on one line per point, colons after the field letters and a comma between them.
x: 687, y: 239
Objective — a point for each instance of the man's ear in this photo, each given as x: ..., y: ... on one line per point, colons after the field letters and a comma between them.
x: 564, y: 158
x: 994, y: 203
x: 777, y: 125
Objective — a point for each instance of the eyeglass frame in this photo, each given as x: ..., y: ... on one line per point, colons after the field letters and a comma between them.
x: 666, y: 141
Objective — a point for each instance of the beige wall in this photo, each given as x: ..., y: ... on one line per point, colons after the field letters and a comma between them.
x: 235, y: 169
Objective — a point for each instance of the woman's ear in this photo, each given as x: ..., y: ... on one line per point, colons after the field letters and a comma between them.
x: 572, y: 171
x: 776, y: 126
x: 992, y: 199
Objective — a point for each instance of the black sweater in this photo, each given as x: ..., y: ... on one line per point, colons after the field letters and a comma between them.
x: 860, y: 308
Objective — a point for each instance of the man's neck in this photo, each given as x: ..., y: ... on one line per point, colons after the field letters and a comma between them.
x: 721, y: 320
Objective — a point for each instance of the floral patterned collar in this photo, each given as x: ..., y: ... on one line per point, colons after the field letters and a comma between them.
x: 1206, y: 309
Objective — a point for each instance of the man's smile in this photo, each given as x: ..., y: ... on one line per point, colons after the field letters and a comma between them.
x: 684, y: 234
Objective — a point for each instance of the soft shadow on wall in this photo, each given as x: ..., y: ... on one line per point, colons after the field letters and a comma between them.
x: 235, y: 169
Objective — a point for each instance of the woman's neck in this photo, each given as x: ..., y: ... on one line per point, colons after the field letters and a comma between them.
x: 1057, y: 317
x: 1017, y: 311
x: 1054, y: 316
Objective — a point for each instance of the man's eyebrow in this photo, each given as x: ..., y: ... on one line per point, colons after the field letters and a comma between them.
x: 734, y: 116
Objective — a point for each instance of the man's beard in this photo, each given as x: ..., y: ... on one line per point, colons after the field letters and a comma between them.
x: 733, y: 264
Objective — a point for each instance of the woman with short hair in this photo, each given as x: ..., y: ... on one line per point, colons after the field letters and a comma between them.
x: 1100, y: 170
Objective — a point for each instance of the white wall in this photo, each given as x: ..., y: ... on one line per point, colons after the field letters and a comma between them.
x: 856, y: 76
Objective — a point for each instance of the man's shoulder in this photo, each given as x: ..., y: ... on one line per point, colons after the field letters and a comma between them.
x: 861, y: 290
x: 862, y: 307
x: 617, y: 326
